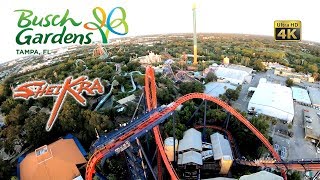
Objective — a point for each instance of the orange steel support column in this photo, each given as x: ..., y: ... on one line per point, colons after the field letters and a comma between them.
x: 151, y: 99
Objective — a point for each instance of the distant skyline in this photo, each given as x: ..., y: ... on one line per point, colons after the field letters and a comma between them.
x: 146, y: 17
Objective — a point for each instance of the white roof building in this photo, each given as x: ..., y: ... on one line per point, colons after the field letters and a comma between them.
x: 314, y: 94
x: 241, y: 68
x: 190, y: 157
x: 234, y: 76
x: 191, y: 141
x: 300, y: 95
x: 126, y: 99
x: 273, y: 100
x: 151, y: 58
x: 215, y: 89
x: 262, y: 175
x: 221, y: 147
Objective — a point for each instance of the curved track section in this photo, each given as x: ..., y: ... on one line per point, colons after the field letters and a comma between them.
x: 155, y: 119
x: 234, y: 113
x: 184, y: 76
x: 106, y: 97
x: 81, y: 61
x: 298, y: 165
x: 134, y: 87
x: 100, y: 51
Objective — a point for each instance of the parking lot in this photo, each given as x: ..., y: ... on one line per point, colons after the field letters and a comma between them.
x: 299, y: 146
x: 243, y: 101
x: 295, y: 147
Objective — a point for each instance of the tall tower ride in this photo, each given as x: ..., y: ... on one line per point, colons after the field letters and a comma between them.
x: 195, y: 61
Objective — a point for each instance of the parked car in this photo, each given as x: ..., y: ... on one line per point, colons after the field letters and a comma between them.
x: 308, y: 119
x: 283, y: 153
x: 318, y: 150
x: 276, y: 147
x: 318, y: 114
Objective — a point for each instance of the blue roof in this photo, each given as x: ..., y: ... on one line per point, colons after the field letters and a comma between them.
x: 20, y: 159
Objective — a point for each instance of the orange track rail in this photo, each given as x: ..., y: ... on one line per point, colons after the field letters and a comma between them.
x: 297, y: 165
x: 150, y: 89
x: 283, y: 166
x: 154, y: 117
x: 151, y: 98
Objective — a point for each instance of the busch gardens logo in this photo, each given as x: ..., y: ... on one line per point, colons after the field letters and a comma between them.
x: 103, y: 23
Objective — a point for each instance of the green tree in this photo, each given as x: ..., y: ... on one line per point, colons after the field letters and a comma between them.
x: 289, y: 82
x: 232, y: 94
x: 5, y: 169
x: 133, y: 66
x: 190, y: 87
x: 36, y: 133
x: 295, y: 175
x: 179, y: 128
x: 10, y: 134
x: 164, y: 95
x: 211, y: 77
x: 70, y: 117
x: 313, y: 68
x: 140, y: 80
x: 258, y: 65
x: 252, y: 148
x: 17, y: 115
x: 299, y: 68
x: 98, y: 121
x: 223, y: 97
x: 116, y: 168
x: 216, y: 116
x: 186, y: 112
x: 7, y: 105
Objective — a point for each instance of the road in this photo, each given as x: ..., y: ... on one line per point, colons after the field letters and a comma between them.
x: 242, y: 102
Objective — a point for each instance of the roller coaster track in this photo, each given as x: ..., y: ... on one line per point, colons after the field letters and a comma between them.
x: 100, y: 51
x: 119, y: 140
x: 107, y: 96
x: 81, y: 61
x: 180, y: 75
x: 298, y: 165
x: 184, y: 76
x: 134, y: 87
x: 151, y: 101
x: 156, y: 117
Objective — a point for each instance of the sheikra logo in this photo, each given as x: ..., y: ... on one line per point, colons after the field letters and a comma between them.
x: 74, y: 87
